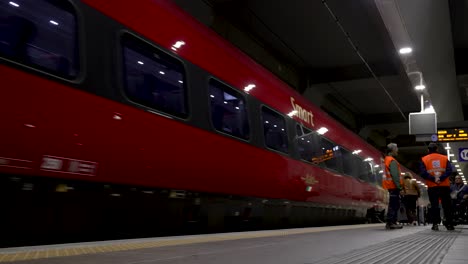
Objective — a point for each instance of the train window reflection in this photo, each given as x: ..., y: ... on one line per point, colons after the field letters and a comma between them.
x: 351, y: 163
x: 309, y: 147
x: 41, y: 34
x: 228, y: 110
x: 365, y: 172
x: 152, y: 78
x: 274, y: 131
x: 330, y: 155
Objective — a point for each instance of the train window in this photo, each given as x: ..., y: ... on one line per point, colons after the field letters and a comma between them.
x: 298, y: 130
x: 41, y: 34
x: 351, y: 163
x: 365, y: 171
x: 309, y: 147
x: 228, y: 110
x: 274, y: 130
x: 153, y: 78
x: 330, y: 155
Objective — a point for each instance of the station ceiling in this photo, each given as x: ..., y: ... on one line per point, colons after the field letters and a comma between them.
x: 344, y: 57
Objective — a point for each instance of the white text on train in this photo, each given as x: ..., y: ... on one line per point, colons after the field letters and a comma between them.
x: 302, y: 113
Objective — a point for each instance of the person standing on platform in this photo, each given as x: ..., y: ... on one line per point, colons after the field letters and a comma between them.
x: 436, y: 170
x: 392, y: 184
x: 459, y: 195
x: 411, y: 195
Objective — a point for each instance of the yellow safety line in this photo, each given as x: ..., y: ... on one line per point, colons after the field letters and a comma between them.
x: 132, y: 245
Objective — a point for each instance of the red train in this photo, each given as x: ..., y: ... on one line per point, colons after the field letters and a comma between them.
x: 131, y: 118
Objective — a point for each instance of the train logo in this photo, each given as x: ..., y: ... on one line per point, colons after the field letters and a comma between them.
x: 309, y: 179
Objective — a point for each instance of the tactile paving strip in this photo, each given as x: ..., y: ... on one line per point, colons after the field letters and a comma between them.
x: 424, y: 247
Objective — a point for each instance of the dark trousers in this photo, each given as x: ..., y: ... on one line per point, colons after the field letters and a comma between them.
x: 460, y: 207
x: 410, y: 205
x: 393, y: 206
x: 443, y: 193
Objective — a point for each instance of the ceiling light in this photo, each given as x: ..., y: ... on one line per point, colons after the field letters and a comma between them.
x: 14, y: 4
x: 406, y: 50
x: 454, y: 161
x: 420, y: 87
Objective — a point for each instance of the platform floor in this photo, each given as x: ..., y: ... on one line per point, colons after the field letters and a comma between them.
x: 324, y: 245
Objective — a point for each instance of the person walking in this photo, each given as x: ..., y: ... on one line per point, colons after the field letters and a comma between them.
x: 411, y: 195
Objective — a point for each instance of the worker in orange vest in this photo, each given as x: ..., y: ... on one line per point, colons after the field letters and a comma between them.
x: 392, y: 183
x: 436, y: 170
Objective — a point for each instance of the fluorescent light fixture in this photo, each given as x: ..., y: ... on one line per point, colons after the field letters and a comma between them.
x: 369, y: 159
x: 380, y: 171
x: 457, y: 166
x: 322, y: 130
x: 420, y: 87
x: 140, y: 62
x: 448, y: 148
x: 14, y: 4
x: 406, y: 50
x: 454, y: 161
x: 181, y: 81
x: 376, y: 165
x: 357, y: 151
x: 161, y: 72
x: 237, y: 108
x: 54, y: 23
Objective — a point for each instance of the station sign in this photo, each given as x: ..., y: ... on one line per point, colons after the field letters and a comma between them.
x: 463, y: 154
x: 452, y: 134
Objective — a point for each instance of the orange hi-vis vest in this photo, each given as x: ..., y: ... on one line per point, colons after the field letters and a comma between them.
x: 388, y: 180
x: 436, y: 164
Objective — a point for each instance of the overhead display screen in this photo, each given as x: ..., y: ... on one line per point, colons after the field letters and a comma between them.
x: 453, y: 134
